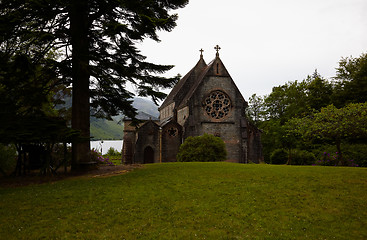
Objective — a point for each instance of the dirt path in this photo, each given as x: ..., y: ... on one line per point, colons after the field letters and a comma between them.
x: 35, y: 178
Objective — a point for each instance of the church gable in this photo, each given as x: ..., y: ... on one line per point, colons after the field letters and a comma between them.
x: 216, y: 67
x: 205, y: 100
x: 217, y: 107
x: 222, y: 80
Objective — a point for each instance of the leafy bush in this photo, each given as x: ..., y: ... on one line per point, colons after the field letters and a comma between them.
x: 113, y: 152
x: 356, y: 155
x: 7, y: 158
x: 205, y: 148
x: 97, y: 157
x: 328, y: 159
x: 302, y: 157
x: 279, y: 156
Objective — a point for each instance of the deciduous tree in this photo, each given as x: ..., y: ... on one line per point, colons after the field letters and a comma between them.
x: 349, y: 122
x: 351, y: 79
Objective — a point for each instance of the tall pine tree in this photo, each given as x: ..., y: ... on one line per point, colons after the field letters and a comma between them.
x: 96, y: 42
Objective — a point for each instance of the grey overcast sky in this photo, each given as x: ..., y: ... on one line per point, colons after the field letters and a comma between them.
x: 264, y: 43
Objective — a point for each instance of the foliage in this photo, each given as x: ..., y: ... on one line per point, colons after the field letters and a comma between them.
x: 193, y: 200
x: 279, y: 156
x: 116, y: 160
x: 355, y: 153
x: 301, y: 157
x: 26, y: 105
x: 335, y: 124
x: 319, y: 92
x: 255, y: 111
x: 297, y: 99
x: 292, y: 157
x: 113, y: 152
x: 7, y: 158
x: 205, y: 148
x: 291, y: 100
x: 97, y: 157
x: 111, y: 31
x: 351, y: 76
x: 93, y: 44
x: 301, y: 100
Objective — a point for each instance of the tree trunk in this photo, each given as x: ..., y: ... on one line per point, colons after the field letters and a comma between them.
x: 289, y: 162
x: 79, y: 27
x: 339, y: 155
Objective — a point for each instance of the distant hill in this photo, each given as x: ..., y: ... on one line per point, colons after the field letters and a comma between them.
x: 105, y: 129
x: 113, y: 130
x: 146, y: 106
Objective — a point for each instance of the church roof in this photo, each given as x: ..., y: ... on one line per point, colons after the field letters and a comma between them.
x: 186, y: 87
x: 208, y: 71
x: 181, y: 88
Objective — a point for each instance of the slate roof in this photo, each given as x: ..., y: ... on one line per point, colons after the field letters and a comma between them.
x: 186, y: 87
x: 180, y: 90
x: 208, y: 71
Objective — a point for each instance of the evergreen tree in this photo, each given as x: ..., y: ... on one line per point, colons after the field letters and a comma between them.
x: 96, y: 40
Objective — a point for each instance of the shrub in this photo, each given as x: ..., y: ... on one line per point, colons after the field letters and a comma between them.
x: 205, y: 148
x: 7, y: 158
x: 97, y: 157
x: 279, y: 156
x: 302, y: 157
x: 113, y: 152
x: 356, y: 155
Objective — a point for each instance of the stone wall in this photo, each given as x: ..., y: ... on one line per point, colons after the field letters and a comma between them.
x: 171, y: 141
x: 147, y: 138
x: 228, y: 127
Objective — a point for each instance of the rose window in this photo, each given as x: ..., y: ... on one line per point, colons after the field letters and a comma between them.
x: 217, y: 104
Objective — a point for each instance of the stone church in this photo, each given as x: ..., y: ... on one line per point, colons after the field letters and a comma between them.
x: 205, y: 100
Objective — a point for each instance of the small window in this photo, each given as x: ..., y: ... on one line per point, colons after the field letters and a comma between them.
x: 172, y: 132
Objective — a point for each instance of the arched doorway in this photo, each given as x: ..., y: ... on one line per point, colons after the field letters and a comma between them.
x: 148, y: 155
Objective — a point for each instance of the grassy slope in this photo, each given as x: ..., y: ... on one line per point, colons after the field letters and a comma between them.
x: 104, y: 129
x: 194, y: 201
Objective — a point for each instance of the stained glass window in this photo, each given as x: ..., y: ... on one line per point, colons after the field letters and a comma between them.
x: 217, y: 104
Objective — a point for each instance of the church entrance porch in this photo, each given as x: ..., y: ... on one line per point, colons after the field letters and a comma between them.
x: 148, y: 155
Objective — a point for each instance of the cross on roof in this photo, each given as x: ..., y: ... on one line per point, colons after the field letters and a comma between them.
x: 201, y: 52
x: 217, y: 48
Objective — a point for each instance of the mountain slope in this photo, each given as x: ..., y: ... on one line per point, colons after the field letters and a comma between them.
x: 105, y: 129
x: 146, y: 106
x: 112, y: 130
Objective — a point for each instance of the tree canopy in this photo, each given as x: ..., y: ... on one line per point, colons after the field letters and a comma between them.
x: 351, y: 77
x: 331, y: 123
x: 95, y: 47
x: 319, y: 102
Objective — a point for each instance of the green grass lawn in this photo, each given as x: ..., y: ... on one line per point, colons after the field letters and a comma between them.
x: 193, y: 201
